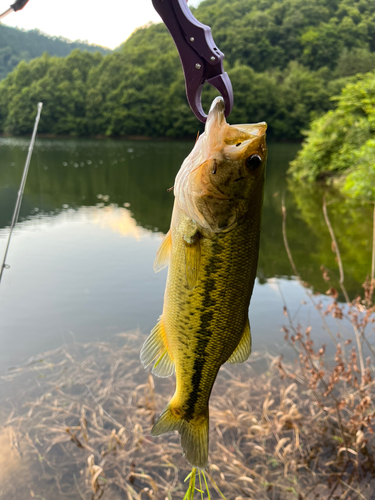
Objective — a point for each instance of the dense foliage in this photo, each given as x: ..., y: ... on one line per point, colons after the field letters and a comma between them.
x: 17, y: 45
x: 342, y: 142
x: 285, y: 59
x: 266, y: 34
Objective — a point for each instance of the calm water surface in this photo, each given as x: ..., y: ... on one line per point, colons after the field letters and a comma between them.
x: 92, y: 218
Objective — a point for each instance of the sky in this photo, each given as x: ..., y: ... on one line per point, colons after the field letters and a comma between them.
x: 92, y: 20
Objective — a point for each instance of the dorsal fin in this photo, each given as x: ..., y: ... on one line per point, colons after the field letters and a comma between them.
x: 164, y: 253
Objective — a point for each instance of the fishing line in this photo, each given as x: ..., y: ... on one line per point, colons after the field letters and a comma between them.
x: 22, y: 188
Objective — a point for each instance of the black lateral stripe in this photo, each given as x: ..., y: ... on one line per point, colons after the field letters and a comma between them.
x: 204, y: 331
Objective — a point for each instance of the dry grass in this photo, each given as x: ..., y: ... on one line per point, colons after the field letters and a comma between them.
x: 82, y: 416
x: 77, y: 423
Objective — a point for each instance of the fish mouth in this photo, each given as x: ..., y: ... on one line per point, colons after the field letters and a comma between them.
x: 218, y: 105
x: 220, y: 142
x: 216, y: 115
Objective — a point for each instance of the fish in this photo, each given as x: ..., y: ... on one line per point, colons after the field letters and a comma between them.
x: 212, y: 252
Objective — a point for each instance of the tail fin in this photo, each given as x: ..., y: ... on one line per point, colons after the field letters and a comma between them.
x: 194, y: 435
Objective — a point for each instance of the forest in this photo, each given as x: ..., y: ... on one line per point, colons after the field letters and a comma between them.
x: 17, y: 45
x: 286, y: 60
x: 340, y: 145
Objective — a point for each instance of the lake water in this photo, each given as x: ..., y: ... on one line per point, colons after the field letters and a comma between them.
x: 92, y: 218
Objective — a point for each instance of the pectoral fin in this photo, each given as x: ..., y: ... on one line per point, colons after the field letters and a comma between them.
x: 155, y: 349
x: 243, y: 350
x: 192, y: 259
x: 164, y: 252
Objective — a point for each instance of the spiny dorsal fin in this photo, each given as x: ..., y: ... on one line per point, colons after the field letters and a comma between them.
x: 164, y: 252
x: 243, y: 350
x: 192, y: 258
x: 155, y: 349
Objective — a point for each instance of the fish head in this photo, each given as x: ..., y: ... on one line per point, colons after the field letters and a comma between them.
x: 221, y: 181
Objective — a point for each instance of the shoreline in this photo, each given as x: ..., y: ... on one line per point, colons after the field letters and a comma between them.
x: 140, y: 138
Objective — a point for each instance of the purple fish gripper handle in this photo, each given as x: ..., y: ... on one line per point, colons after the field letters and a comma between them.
x: 18, y: 5
x: 201, y: 60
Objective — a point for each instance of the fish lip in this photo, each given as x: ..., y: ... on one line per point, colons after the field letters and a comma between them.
x: 218, y: 104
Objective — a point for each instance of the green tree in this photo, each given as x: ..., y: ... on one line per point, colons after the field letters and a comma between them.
x: 285, y: 58
x: 351, y: 62
x: 59, y: 83
x: 18, y: 45
x: 341, y: 143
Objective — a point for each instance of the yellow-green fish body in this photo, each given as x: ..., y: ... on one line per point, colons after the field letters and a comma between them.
x: 212, y: 250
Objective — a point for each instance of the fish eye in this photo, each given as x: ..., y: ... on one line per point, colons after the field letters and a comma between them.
x: 253, y: 162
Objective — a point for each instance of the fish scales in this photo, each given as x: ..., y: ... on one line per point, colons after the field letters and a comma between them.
x: 212, y: 316
x: 212, y: 252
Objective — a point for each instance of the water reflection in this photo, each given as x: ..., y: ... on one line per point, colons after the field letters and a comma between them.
x: 118, y: 219
x: 91, y: 222
x: 73, y: 173
x: 136, y: 175
x: 352, y: 224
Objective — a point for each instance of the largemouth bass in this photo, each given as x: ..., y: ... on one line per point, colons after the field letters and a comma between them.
x: 212, y: 252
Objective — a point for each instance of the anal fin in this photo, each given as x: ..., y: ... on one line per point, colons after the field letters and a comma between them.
x: 155, y: 349
x: 164, y: 366
x: 164, y: 252
x: 243, y: 350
